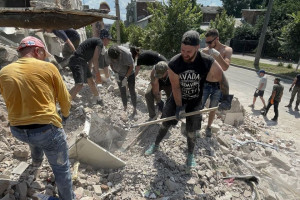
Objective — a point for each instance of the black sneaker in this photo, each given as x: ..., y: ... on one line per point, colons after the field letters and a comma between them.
x: 274, y: 119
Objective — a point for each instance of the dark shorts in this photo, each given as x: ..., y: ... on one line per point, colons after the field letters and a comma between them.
x: 80, y: 69
x: 259, y: 93
x: 193, y: 123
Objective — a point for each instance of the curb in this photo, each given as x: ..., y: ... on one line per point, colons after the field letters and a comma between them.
x: 269, y: 73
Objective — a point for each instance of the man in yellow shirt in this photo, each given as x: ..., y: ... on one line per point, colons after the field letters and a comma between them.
x: 31, y: 88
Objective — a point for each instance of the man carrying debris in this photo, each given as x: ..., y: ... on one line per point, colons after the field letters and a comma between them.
x: 120, y: 60
x: 188, y: 72
x: 106, y: 38
x: 159, y: 81
x: 296, y: 90
x: 80, y: 63
x: 31, y: 88
x: 148, y: 58
x: 71, y: 38
x: 260, y: 89
x: 275, y: 98
x: 222, y: 54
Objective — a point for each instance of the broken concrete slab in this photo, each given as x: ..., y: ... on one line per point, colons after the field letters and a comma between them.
x: 281, y: 160
x: 86, y: 151
x: 20, y: 168
x: 233, y: 118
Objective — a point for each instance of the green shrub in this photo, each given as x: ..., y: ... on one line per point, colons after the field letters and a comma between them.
x: 280, y: 64
x: 289, y: 66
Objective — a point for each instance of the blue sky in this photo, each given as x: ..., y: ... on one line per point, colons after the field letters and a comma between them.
x: 124, y: 3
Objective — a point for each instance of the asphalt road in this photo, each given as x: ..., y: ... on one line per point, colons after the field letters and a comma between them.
x: 242, y: 84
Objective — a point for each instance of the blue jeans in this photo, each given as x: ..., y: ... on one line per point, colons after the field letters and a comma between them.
x: 213, y: 91
x: 51, y: 141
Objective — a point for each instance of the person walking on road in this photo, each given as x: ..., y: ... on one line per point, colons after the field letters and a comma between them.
x: 31, y: 88
x: 260, y: 89
x: 295, y: 88
x: 80, y: 63
x: 274, y: 99
x: 159, y: 81
x: 121, y: 62
x: 188, y: 71
x: 222, y: 54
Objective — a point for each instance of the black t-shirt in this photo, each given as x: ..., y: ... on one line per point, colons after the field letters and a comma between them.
x: 150, y: 58
x: 67, y: 34
x: 86, y: 49
x: 191, y: 75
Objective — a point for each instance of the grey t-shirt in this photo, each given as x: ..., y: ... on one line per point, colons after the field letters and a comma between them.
x: 122, y: 64
x: 264, y: 81
x: 101, y: 60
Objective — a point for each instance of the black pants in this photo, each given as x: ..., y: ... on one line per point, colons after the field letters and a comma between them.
x: 193, y: 123
x: 276, y: 104
x: 131, y: 87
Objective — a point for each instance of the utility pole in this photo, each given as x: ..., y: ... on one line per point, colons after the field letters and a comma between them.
x: 262, y: 35
x: 118, y: 21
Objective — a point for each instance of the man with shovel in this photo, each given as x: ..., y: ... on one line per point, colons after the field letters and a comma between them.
x: 187, y: 72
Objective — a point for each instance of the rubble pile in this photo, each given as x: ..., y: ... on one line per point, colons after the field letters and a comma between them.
x: 243, y: 160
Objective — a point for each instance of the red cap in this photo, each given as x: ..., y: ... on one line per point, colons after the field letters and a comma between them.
x: 31, y: 42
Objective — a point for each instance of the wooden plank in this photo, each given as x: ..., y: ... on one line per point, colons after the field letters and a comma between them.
x: 50, y: 18
x: 173, y: 117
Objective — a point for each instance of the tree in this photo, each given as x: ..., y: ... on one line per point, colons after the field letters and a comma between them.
x: 225, y: 26
x: 135, y: 35
x: 234, y: 7
x: 245, y: 32
x: 168, y: 23
x: 290, y: 40
x: 123, y: 32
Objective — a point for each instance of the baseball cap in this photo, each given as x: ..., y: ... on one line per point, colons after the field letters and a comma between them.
x: 160, y: 69
x: 277, y: 79
x: 261, y: 71
x: 31, y: 41
x: 105, y: 34
x: 191, y: 38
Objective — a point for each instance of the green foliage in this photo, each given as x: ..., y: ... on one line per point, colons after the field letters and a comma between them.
x: 290, y: 39
x: 225, y: 26
x: 123, y: 32
x: 234, y: 7
x: 89, y: 31
x: 289, y: 66
x: 168, y: 23
x: 280, y: 64
x: 246, y: 32
x: 135, y: 35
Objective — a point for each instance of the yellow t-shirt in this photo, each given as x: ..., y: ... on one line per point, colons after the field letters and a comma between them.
x: 31, y: 88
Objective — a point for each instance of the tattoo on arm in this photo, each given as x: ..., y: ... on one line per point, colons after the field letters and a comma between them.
x: 224, y: 86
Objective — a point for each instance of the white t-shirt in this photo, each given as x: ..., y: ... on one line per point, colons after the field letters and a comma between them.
x: 264, y: 81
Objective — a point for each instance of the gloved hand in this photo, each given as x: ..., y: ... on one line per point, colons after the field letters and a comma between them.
x: 160, y: 105
x: 117, y: 77
x: 124, y: 82
x: 226, y: 102
x: 213, y: 52
x: 290, y: 89
x: 272, y: 101
x: 179, y: 111
x: 256, y: 91
x: 98, y: 78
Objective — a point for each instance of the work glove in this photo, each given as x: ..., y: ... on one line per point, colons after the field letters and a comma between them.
x: 160, y: 105
x: 256, y: 91
x: 226, y: 102
x: 213, y: 52
x: 98, y: 78
x: 290, y: 89
x: 272, y: 101
x: 179, y: 111
x: 124, y: 82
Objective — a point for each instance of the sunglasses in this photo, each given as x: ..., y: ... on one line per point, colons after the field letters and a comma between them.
x: 209, y: 42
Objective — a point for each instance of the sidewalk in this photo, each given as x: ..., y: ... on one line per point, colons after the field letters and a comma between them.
x: 262, y: 60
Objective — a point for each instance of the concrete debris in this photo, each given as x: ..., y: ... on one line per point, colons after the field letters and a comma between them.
x: 97, y: 134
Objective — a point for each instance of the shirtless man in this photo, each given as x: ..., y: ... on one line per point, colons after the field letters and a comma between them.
x: 222, y: 54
